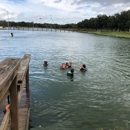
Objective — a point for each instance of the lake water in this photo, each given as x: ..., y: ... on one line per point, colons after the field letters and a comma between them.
x: 98, y: 98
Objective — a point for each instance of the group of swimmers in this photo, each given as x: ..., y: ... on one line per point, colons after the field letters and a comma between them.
x: 63, y: 67
x: 68, y: 65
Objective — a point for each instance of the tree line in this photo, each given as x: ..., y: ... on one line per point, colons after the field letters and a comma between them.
x: 119, y: 21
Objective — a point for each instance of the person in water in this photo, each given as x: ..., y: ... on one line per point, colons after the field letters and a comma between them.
x: 69, y: 64
x: 11, y: 35
x: 6, y: 108
x: 66, y: 64
x: 63, y: 66
x: 83, y: 68
x: 71, y: 72
x: 45, y: 63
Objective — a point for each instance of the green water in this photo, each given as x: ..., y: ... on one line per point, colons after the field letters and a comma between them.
x: 99, y: 98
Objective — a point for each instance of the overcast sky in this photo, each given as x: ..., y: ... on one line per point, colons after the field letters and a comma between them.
x: 59, y: 11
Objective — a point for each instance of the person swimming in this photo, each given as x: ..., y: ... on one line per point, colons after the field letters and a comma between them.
x: 69, y: 64
x: 63, y: 66
x: 11, y: 34
x: 71, y: 72
x: 83, y: 68
x: 66, y: 64
x: 45, y: 63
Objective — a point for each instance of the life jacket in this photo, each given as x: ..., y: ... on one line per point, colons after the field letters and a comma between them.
x: 63, y: 66
x: 83, y: 69
x: 70, y: 73
x: 6, y: 108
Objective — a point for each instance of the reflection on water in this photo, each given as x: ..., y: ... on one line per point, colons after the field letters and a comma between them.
x: 98, y: 98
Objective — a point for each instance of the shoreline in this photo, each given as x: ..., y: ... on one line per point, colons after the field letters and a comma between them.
x: 106, y: 33
x: 112, y: 34
x: 118, y: 34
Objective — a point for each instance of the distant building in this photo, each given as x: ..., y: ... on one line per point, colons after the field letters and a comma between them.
x: 1, y: 26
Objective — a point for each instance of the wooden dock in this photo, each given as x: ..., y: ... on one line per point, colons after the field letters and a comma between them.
x: 14, y: 90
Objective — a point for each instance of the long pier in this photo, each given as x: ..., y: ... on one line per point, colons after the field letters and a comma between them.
x: 15, y: 92
x: 35, y: 29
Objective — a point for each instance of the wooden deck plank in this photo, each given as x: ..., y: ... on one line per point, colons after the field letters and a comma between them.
x: 14, y: 105
x: 4, y: 98
x: 23, y: 67
x: 24, y: 110
x: 5, y: 121
x: 8, y: 71
x: 7, y: 68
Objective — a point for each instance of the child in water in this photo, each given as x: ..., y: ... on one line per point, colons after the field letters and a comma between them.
x: 71, y: 72
x: 69, y: 64
x: 11, y: 34
x: 45, y: 63
x: 83, y: 68
x: 63, y: 66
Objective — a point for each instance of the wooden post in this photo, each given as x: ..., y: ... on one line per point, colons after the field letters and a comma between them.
x: 27, y: 80
x: 14, y: 105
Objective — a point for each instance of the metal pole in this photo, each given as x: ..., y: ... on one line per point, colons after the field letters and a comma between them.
x: 33, y: 26
x: 8, y: 21
x: 53, y: 22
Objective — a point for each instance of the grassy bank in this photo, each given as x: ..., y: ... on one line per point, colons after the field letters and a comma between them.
x: 103, y: 33
x: 113, y: 34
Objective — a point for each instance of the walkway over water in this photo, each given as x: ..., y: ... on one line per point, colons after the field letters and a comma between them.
x: 14, y: 90
x: 36, y: 29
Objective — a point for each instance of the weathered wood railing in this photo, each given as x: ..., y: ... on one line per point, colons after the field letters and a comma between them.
x: 14, y: 73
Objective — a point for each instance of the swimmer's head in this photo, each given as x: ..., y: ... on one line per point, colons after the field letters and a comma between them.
x: 72, y: 70
x: 84, y: 65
